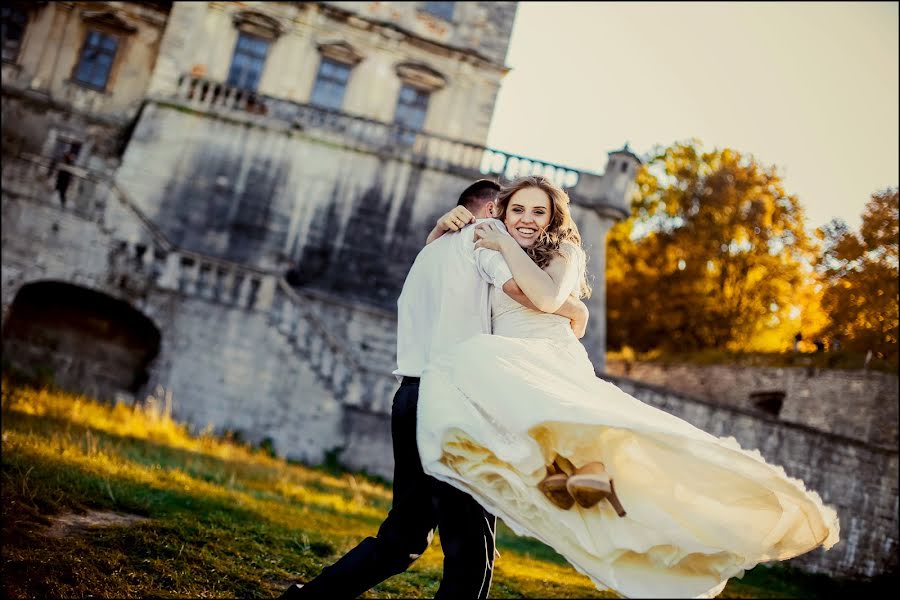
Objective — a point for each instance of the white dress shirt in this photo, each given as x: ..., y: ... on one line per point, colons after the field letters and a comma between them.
x: 446, y: 297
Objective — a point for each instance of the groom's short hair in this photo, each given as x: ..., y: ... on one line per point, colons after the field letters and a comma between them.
x: 480, y: 192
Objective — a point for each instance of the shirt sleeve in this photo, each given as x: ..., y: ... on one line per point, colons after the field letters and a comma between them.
x: 491, y: 264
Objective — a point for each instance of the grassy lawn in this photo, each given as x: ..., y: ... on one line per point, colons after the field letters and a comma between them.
x: 214, y: 518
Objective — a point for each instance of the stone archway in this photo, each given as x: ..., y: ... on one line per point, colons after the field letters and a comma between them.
x: 87, y: 341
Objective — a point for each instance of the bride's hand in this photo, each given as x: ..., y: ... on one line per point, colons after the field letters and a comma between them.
x: 488, y: 236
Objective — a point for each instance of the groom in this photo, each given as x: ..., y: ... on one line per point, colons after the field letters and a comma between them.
x: 445, y: 300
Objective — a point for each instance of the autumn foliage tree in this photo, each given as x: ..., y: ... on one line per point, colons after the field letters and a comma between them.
x: 860, y: 271
x: 714, y: 255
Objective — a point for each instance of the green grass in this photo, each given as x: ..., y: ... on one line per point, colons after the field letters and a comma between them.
x: 221, y: 519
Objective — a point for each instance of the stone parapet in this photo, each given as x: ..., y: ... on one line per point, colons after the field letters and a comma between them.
x: 361, y: 133
x: 861, y: 405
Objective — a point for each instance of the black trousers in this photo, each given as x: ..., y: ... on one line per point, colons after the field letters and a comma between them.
x: 421, y: 503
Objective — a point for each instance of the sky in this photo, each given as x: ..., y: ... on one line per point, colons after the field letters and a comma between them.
x: 810, y: 87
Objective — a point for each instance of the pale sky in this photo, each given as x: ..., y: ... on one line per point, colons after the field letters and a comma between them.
x: 809, y: 87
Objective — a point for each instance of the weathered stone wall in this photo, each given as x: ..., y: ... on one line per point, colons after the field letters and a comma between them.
x: 353, y: 221
x: 41, y: 99
x: 858, y: 479
x: 201, y: 38
x: 51, y: 49
x: 858, y: 404
x: 350, y: 220
x: 484, y: 27
x: 234, y: 358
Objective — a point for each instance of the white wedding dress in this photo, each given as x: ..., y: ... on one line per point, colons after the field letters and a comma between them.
x: 496, y: 409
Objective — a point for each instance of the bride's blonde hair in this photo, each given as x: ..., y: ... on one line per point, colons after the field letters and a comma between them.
x: 561, y: 230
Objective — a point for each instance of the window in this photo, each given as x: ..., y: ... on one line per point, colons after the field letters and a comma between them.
x: 411, y: 108
x: 443, y: 10
x: 14, y: 20
x: 96, y: 60
x: 64, y: 146
x: 331, y: 82
x: 624, y: 167
x: 247, y: 62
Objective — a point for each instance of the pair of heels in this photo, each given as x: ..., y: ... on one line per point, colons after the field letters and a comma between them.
x: 587, y: 486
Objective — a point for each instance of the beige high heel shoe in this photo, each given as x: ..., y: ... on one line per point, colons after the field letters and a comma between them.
x: 554, y: 488
x: 590, y: 484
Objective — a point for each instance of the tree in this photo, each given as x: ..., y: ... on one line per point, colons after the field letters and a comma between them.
x: 861, y: 271
x: 712, y: 255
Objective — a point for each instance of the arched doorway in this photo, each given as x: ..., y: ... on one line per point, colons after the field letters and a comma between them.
x: 87, y: 341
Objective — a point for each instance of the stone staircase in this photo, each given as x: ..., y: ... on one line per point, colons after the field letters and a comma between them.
x: 142, y: 258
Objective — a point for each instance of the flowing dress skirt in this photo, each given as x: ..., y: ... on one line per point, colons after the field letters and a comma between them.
x: 495, y: 410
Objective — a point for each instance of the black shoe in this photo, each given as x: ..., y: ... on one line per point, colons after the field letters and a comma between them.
x: 292, y: 592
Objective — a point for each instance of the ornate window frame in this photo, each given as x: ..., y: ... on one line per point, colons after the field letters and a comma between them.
x: 109, y: 23
x: 259, y: 24
x: 420, y: 75
x: 340, y: 51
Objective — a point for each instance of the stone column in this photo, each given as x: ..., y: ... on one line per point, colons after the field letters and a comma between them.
x: 593, y: 228
x: 598, y: 203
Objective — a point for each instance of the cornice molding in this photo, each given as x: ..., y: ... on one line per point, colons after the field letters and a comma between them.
x: 257, y: 23
x: 420, y: 75
x: 341, y: 52
x: 108, y: 18
x: 394, y: 31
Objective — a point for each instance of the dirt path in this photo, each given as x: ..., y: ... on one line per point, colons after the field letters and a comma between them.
x: 65, y: 524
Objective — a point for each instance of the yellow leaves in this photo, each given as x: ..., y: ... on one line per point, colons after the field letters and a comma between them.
x: 862, y: 274
x: 755, y: 275
x: 703, y: 271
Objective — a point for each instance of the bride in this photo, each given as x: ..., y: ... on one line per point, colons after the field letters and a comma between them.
x: 638, y: 500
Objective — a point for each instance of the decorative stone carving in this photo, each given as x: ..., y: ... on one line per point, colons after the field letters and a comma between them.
x: 341, y: 52
x: 109, y: 19
x: 258, y: 24
x: 421, y: 76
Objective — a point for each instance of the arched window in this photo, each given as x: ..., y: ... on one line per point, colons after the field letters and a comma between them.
x: 419, y: 81
x: 412, y: 106
x: 338, y: 60
x: 104, y: 33
x: 247, y: 61
x: 96, y: 59
x: 256, y: 32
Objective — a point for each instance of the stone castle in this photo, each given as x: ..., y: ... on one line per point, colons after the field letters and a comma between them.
x: 222, y: 200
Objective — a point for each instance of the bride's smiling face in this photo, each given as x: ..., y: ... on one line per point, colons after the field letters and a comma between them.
x: 527, y: 214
